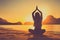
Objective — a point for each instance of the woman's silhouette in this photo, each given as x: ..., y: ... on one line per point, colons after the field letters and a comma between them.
x: 37, y: 17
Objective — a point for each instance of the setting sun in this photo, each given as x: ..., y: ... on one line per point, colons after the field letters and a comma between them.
x: 44, y: 10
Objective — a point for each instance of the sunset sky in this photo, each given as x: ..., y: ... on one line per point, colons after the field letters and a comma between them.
x: 21, y: 10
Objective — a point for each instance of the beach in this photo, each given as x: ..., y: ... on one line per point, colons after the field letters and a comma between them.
x: 8, y: 33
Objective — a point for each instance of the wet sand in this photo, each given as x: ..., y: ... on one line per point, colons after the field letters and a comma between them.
x: 21, y: 35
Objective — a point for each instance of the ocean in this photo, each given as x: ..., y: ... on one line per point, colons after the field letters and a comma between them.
x: 54, y: 28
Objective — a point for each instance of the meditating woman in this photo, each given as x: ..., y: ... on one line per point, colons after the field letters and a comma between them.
x: 37, y: 17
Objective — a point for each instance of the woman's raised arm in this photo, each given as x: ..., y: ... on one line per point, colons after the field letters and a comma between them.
x: 33, y: 14
x: 40, y: 12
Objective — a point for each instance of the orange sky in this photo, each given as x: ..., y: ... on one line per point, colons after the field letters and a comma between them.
x: 21, y: 10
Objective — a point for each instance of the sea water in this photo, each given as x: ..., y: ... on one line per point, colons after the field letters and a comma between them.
x: 54, y: 28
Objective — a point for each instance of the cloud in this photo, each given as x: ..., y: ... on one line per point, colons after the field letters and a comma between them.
x: 49, y: 1
x: 8, y: 2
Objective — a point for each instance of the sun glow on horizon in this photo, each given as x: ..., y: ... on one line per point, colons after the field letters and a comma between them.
x: 44, y: 12
x: 20, y: 12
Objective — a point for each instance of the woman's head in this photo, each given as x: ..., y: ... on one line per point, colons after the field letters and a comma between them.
x: 37, y: 14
